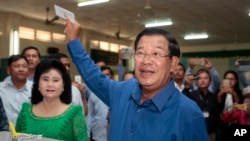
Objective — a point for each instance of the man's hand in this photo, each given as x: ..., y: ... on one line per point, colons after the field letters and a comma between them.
x: 72, y: 30
x: 206, y: 63
x: 81, y: 88
x: 225, y: 89
x: 237, y: 64
x: 188, y: 80
x: 247, y: 107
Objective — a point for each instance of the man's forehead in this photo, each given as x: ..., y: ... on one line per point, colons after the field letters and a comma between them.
x: 157, y: 40
x: 19, y: 60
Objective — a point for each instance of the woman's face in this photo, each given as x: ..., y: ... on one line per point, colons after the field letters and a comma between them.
x: 51, y: 84
x: 232, y: 80
x: 203, y: 81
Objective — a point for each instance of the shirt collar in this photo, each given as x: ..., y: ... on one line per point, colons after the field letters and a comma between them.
x: 160, y: 99
x: 179, y: 88
x: 25, y: 87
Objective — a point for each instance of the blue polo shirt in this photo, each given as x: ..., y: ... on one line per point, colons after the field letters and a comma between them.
x: 168, y: 116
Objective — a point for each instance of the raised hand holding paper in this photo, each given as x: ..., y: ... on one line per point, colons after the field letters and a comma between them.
x: 62, y: 13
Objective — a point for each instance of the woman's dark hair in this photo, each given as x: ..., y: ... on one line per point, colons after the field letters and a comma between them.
x: 173, y: 47
x: 44, y: 67
x: 237, y: 85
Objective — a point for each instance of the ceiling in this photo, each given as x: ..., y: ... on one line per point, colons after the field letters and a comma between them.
x: 226, y: 21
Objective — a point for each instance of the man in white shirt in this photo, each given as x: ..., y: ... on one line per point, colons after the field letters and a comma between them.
x: 98, y: 111
x: 179, y: 75
x: 33, y: 56
x: 16, y: 90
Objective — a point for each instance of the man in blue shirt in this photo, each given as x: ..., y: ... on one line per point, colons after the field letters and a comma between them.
x: 148, y: 107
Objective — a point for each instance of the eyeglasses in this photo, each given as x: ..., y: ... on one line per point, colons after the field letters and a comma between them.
x: 153, y: 55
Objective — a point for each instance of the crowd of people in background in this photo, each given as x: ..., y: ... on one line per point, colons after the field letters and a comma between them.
x: 223, y: 104
x: 39, y: 96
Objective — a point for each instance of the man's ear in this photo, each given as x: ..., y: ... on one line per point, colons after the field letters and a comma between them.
x: 174, y: 63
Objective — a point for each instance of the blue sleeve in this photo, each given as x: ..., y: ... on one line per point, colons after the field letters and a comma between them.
x: 215, y: 84
x: 120, y: 68
x: 97, y: 82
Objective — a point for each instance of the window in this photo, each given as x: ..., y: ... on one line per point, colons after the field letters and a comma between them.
x: 104, y: 45
x: 26, y: 33
x: 94, y: 44
x: 42, y: 35
x: 114, y: 47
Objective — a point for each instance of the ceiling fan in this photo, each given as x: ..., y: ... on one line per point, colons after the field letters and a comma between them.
x: 117, y: 34
x: 148, y: 8
x: 50, y: 21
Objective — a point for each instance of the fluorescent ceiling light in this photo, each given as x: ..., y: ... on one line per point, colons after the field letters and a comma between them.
x: 91, y: 2
x: 159, y: 24
x: 196, y: 36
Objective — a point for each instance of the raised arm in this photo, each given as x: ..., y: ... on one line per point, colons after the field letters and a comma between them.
x: 215, y: 84
x: 98, y: 83
x: 120, y: 66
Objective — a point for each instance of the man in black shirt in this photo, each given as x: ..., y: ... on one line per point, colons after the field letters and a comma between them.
x: 205, y: 99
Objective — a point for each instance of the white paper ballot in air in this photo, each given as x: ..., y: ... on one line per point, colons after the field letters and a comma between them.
x: 61, y: 12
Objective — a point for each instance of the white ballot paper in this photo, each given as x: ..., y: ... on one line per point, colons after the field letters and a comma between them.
x: 61, y: 12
